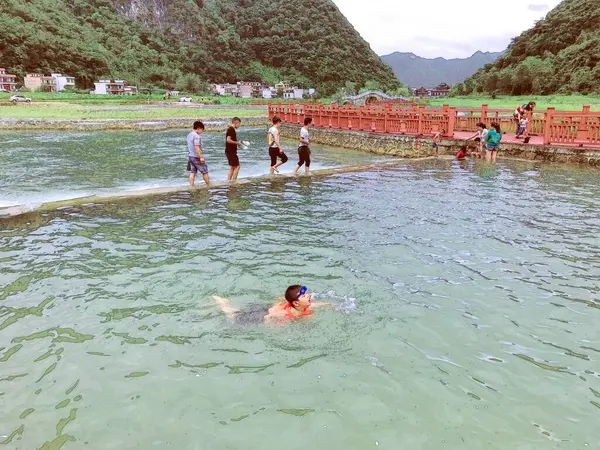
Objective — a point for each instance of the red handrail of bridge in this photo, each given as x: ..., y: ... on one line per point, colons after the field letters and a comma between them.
x: 577, y: 128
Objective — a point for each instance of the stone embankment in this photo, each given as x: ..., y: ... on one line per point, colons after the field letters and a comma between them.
x: 413, y: 147
x: 213, y: 124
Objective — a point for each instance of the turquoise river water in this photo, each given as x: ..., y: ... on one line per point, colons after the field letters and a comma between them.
x: 466, y: 303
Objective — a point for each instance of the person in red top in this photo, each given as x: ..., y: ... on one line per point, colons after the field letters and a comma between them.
x: 462, y: 153
x: 296, y: 304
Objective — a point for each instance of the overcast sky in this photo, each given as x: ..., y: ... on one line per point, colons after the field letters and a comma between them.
x: 431, y: 28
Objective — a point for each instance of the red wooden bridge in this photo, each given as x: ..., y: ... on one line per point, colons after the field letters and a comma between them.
x: 549, y: 127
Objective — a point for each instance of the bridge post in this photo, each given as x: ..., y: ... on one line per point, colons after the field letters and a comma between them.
x: 360, y: 116
x: 385, y: 120
x: 420, y: 120
x: 582, y: 130
x: 451, y: 121
x: 548, y: 116
x: 484, y: 109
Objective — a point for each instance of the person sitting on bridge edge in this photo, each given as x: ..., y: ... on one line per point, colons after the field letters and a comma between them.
x: 275, y: 150
x: 297, y: 303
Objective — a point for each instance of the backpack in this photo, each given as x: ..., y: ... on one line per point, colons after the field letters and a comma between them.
x: 494, y: 137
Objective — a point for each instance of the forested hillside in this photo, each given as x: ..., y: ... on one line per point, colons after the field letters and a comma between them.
x: 161, y: 42
x: 416, y: 71
x: 560, y: 54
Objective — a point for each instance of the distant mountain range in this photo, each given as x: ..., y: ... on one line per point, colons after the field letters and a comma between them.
x: 415, y: 71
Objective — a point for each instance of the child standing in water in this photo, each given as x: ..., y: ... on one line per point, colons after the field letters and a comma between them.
x: 275, y: 150
x: 437, y: 139
x: 303, y: 150
x: 492, y: 144
x: 479, y: 137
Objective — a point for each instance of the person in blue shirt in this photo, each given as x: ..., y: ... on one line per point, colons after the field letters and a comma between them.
x: 196, y: 162
x: 492, y: 142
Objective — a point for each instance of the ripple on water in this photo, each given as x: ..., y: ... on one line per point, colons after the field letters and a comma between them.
x: 451, y: 288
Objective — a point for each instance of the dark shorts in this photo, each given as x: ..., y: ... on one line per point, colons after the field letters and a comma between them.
x: 521, y: 130
x: 304, y: 156
x: 195, y: 166
x: 274, y: 154
x: 492, y: 147
x: 232, y: 158
x: 251, y: 315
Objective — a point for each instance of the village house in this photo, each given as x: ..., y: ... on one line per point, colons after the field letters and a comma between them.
x: 442, y: 90
x: 63, y: 81
x: 246, y: 89
x: 114, y: 87
x: 293, y: 93
x: 227, y: 89
x: 39, y: 82
x: 8, y: 82
x: 422, y: 92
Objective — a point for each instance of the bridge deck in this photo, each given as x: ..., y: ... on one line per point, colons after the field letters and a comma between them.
x: 535, y: 140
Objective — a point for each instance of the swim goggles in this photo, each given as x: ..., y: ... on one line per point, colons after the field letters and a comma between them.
x: 303, y: 290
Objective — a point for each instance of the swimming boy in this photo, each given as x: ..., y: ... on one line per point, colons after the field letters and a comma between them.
x: 275, y: 150
x: 196, y: 162
x: 231, y: 146
x: 303, y: 150
x: 297, y: 303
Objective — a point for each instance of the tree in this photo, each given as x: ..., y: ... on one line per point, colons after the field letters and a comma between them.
x: 190, y: 82
x: 371, y: 85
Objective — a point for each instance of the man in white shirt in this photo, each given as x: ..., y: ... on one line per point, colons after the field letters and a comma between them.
x: 275, y: 150
x: 303, y: 149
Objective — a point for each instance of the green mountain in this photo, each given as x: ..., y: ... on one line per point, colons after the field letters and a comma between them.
x: 424, y: 72
x: 560, y: 54
x: 162, y: 42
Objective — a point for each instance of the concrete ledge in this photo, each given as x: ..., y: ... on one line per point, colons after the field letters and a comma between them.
x: 411, y: 147
x: 213, y: 124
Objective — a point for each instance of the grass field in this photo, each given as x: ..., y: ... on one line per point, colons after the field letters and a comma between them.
x: 74, y: 111
x: 91, y: 99
x: 560, y: 102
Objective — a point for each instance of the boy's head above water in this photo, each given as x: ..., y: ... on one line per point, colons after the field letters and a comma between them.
x: 298, y: 296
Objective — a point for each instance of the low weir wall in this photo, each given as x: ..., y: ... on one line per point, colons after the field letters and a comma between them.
x: 413, y: 147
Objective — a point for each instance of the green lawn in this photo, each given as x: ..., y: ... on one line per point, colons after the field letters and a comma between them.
x: 64, y: 110
x: 560, y: 102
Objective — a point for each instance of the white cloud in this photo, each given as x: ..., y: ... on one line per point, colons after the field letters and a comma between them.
x: 432, y: 28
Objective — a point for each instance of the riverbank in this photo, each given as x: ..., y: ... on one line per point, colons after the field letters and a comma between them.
x: 211, y: 124
x: 412, y: 147
x: 19, y: 115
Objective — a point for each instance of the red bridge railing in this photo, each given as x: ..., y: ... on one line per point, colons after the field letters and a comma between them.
x: 577, y: 128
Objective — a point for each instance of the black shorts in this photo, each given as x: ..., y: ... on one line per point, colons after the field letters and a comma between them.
x: 232, y: 158
x: 304, y: 156
x: 274, y: 154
